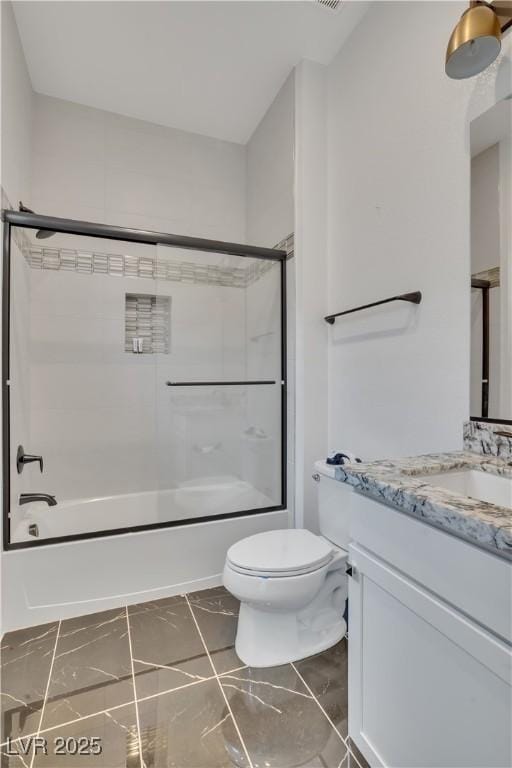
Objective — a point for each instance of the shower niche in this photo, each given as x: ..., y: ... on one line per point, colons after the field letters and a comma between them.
x: 149, y: 372
x: 146, y: 323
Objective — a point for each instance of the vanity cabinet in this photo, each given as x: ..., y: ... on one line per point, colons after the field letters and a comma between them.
x: 429, y: 681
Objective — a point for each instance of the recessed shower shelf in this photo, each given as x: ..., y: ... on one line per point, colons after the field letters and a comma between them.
x: 412, y: 298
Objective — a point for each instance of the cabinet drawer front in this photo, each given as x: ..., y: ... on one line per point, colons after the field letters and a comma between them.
x: 427, y: 687
x: 476, y: 582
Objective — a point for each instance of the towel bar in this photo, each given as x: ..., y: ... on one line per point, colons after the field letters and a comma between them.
x: 412, y: 298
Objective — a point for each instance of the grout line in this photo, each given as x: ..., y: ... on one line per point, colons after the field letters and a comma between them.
x: 353, y: 755
x: 70, y: 722
x: 323, y: 710
x: 110, y: 709
x: 142, y: 763
x: 344, y: 740
x: 236, y: 669
x: 179, y: 688
x: 46, y: 691
x: 228, y: 705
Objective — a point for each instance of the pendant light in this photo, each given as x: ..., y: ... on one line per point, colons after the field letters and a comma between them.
x: 475, y: 42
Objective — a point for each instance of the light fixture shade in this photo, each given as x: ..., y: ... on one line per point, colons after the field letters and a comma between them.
x: 474, y: 44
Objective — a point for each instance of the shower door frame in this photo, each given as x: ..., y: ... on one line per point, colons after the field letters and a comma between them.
x: 11, y: 219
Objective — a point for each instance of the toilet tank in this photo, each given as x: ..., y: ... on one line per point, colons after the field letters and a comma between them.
x: 334, y: 500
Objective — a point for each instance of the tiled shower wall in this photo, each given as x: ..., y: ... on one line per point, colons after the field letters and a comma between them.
x: 20, y: 370
x: 99, y: 166
x: 104, y: 418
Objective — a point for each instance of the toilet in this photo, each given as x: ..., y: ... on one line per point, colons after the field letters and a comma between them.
x: 291, y: 584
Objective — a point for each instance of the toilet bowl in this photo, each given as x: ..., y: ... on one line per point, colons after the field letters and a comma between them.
x: 291, y: 584
x: 287, y: 614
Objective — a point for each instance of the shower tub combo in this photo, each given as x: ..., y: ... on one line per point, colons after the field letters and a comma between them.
x: 148, y: 372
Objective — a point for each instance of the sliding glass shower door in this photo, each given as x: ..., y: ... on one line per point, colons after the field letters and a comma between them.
x: 147, y: 377
x: 219, y: 385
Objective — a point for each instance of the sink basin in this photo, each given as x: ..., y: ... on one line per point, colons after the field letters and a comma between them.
x: 471, y: 482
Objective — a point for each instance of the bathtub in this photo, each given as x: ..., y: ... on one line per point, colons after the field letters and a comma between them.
x: 71, y: 578
x: 202, y: 497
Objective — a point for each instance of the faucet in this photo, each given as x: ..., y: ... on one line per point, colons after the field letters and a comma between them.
x: 27, y: 498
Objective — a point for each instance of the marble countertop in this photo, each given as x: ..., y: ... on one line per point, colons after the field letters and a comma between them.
x: 396, y: 483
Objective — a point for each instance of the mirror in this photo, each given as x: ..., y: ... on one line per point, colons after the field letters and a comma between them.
x: 491, y: 263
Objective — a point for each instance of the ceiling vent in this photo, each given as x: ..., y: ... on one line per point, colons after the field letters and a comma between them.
x: 330, y: 5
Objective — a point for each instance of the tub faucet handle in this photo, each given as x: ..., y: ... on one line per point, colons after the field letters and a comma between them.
x: 23, y: 458
x: 28, y: 498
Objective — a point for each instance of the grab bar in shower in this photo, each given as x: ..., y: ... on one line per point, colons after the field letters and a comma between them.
x: 215, y: 383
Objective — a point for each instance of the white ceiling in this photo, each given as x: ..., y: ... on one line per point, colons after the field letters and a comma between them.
x: 209, y: 67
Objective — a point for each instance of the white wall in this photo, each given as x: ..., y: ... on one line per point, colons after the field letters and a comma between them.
x: 271, y: 219
x: 506, y: 271
x: 311, y: 284
x: 99, y: 166
x: 398, y: 201
x: 15, y: 177
x: 485, y: 254
x: 485, y: 210
x: 16, y: 111
x: 270, y: 171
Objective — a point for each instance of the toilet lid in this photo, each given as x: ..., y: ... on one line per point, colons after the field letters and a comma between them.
x: 280, y: 552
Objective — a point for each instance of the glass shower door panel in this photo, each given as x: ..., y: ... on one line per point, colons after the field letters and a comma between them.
x: 83, y: 360
x: 219, y: 387
x: 213, y: 459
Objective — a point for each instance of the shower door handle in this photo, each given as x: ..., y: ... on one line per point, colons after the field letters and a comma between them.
x: 23, y: 458
x: 218, y: 383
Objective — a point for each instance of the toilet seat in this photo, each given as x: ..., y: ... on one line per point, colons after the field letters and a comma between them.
x: 281, y: 553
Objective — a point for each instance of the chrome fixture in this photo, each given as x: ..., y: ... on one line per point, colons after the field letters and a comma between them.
x: 23, y: 458
x: 27, y: 498
x: 33, y: 530
x: 476, y: 40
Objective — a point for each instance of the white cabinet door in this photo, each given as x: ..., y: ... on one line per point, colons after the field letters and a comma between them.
x: 428, y: 688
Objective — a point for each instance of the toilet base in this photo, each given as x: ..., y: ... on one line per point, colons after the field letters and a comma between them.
x: 269, y: 639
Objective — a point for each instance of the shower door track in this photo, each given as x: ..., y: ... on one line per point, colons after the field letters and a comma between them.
x: 11, y: 219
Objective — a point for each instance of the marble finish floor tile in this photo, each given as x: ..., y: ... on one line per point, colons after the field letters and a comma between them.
x: 189, y: 714
x: 280, y: 721
x: 117, y: 735
x: 216, y: 612
x: 18, y: 754
x: 165, y: 602
x: 92, y: 669
x: 25, y: 658
x: 167, y: 649
x: 189, y: 728
x: 326, y: 674
x: 206, y: 594
x: 359, y: 761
